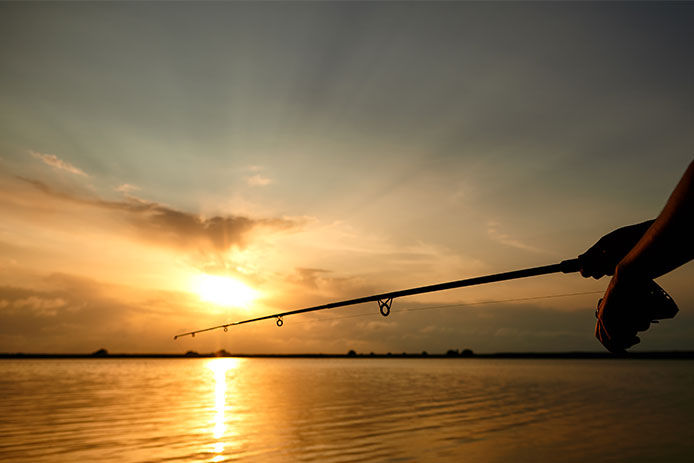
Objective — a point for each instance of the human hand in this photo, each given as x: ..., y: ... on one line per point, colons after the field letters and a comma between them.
x: 602, y: 258
x: 630, y: 306
x: 615, y: 328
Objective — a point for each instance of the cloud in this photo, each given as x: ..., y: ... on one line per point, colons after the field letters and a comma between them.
x: 65, y: 313
x: 57, y: 163
x: 258, y: 180
x: 162, y: 224
x: 308, y: 277
x: 313, y: 286
x: 127, y: 188
x: 40, y: 306
x: 72, y: 314
x: 494, y: 233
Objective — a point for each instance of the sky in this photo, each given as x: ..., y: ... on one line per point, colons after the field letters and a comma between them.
x: 166, y: 167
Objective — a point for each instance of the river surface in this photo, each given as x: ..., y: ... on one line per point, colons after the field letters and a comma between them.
x: 339, y: 410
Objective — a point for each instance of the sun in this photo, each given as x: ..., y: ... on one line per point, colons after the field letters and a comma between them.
x: 223, y: 291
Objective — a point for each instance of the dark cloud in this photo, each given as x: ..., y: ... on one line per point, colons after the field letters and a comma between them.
x: 164, y: 225
x: 73, y: 314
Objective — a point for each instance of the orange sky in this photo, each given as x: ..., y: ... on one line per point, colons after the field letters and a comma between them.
x: 168, y: 167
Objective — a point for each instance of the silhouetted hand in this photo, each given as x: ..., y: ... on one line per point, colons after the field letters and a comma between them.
x: 602, y: 258
x: 618, y: 318
x: 636, y: 255
x: 629, y: 306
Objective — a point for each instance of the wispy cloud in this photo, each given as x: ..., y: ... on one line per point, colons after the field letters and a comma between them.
x: 505, y: 239
x: 258, y: 180
x: 57, y: 163
x: 127, y: 188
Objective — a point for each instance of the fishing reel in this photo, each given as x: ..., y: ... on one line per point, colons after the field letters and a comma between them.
x: 631, y: 313
x: 662, y: 305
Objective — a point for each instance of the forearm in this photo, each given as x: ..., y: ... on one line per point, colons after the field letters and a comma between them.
x: 669, y: 241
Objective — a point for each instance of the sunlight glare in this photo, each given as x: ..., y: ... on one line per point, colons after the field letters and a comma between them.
x: 223, y: 291
x: 220, y: 367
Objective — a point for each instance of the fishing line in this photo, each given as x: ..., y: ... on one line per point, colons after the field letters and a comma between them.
x: 654, y: 296
x: 453, y: 306
x: 385, y: 300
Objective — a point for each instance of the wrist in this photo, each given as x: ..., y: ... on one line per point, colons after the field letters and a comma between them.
x: 627, y: 271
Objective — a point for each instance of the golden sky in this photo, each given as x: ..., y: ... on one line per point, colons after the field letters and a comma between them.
x: 169, y: 166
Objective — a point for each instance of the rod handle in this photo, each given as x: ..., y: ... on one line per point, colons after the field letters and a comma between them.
x: 570, y: 265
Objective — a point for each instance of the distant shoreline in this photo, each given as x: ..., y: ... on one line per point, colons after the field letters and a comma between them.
x: 661, y: 355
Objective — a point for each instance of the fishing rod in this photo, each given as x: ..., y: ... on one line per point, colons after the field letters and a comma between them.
x: 385, y: 300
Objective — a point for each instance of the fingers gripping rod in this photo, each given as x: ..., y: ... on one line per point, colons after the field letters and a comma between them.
x: 385, y: 300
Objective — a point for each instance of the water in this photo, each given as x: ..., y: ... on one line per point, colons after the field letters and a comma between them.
x: 400, y: 410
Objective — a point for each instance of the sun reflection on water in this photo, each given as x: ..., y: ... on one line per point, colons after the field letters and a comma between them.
x: 220, y: 367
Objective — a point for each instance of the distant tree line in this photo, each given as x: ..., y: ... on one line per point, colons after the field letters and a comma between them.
x: 456, y: 353
x: 449, y: 353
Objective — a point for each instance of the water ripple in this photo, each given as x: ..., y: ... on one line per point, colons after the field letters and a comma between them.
x: 343, y: 410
